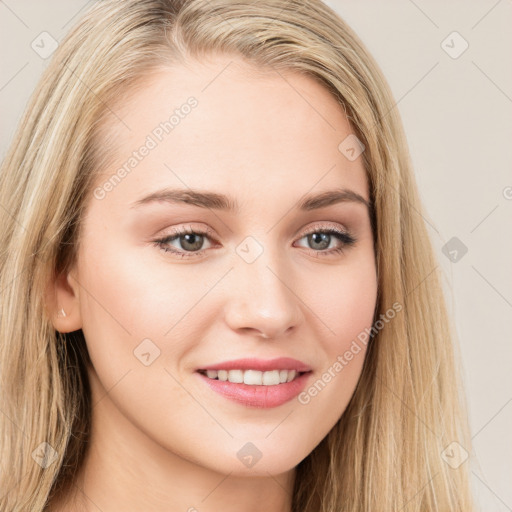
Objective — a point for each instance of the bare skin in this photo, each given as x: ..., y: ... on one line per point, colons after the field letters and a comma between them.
x: 162, y: 439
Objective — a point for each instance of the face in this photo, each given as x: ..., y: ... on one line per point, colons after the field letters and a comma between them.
x: 206, y: 247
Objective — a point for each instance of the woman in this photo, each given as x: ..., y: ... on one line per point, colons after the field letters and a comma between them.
x: 217, y: 286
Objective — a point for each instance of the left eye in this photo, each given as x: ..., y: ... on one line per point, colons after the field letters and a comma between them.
x: 322, y: 239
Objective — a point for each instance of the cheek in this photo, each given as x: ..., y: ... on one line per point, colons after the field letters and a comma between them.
x: 133, y: 308
x: 346, y: 305
x: 130, y: 295
x: 345, y: 301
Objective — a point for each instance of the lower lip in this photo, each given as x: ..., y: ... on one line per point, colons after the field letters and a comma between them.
x: 263, y: 397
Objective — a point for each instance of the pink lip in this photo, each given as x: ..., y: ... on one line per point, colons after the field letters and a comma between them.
x: 263, y: 397
x: 279, y: 363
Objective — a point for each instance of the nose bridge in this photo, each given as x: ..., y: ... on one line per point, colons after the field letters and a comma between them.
x: 262, y: 295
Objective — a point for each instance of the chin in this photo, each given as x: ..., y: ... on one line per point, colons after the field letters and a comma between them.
x: 259, y: 460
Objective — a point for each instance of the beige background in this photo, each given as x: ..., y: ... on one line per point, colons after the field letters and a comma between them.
x: 457, y: 116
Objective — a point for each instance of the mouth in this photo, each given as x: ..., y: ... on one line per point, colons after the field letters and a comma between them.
x: 253, y: 377
x: 257, y: 382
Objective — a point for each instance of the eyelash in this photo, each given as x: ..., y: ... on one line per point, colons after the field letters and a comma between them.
x: 344, y: 237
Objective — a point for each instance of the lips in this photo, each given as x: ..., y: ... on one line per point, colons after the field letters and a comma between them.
x: 265, y: 390
x: 262, y: 365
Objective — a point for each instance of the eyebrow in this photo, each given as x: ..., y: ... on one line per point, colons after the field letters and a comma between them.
x: 216, y: 201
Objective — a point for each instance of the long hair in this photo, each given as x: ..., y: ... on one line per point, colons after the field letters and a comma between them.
x: 386, y: 451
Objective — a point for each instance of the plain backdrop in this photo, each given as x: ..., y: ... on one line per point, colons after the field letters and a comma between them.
x: 449, y: 67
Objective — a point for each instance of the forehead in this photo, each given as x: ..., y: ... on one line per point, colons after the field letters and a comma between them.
x: 251, y: 133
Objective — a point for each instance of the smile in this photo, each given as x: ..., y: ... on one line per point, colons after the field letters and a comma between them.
x: 253, y: 377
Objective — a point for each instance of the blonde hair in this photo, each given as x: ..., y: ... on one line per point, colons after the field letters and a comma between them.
x: 384, y: 453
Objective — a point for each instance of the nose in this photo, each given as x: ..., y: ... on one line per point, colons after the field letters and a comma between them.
x: 262, y: 300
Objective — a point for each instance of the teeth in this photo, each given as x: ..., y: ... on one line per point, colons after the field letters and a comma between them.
x: 291, y: 375
x: 270, y: 378
x: 236, y: 376
x: 253, y: 377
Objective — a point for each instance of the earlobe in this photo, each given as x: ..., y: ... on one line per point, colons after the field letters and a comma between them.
x: 63, y: 303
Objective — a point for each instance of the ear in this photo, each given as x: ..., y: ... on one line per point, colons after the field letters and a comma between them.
x: 63, y: 304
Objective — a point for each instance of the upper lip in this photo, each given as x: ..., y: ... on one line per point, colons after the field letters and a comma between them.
x: 279, y: 363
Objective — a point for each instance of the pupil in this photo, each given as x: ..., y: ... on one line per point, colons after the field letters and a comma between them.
x: 320, y: 238
x: 189, y: 239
